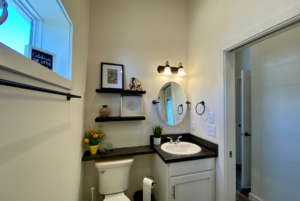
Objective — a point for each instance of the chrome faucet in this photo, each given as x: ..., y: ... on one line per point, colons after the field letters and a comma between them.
x: 171, y: 140
x: 178, y: 141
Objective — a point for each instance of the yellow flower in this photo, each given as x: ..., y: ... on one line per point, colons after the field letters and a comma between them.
x: 95, y: 135
x: 92, y: 133
x: 101, y: 132
x: 86, y: 140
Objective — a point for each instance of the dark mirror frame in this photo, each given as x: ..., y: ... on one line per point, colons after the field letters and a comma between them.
x: 4, y: 15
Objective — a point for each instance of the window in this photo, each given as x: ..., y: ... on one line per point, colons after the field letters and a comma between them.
x: 43, y: 25
x: 16, y: 31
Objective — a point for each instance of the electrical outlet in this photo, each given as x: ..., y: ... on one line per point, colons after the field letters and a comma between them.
x: 211, y: 130
x: 193, y: 125
x: 211, y: 118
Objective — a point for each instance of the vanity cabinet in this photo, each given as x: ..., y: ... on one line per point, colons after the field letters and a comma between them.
x: 184, y: 181
x: 198, y: 187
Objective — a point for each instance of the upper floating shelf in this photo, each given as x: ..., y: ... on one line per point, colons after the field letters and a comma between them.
x: 119, y: 91
x: 107, y: 119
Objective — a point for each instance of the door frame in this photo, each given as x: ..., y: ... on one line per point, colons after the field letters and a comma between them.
x: 226, y: 76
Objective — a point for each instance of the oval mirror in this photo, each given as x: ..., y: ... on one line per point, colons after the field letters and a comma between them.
x: 3, y: 11
x: 172, y: 103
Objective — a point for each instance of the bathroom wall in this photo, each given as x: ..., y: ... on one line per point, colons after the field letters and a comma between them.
x: 141, y: 35
x: 41, y: 134
x: 212, y: 24
x: 275, y: 75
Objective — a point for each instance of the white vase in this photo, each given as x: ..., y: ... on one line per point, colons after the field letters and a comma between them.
x: 156, y: 141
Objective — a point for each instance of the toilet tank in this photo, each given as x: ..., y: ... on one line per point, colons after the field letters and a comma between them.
x: 113, y: 175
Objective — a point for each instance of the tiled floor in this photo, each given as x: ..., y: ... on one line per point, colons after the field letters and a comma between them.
x: 241, y: 194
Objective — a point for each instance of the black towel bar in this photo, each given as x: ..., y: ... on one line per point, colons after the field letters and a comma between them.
x: 34, y: 88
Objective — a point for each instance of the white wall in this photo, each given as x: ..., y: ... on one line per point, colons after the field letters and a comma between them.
x: 141, y: 35
x: 55, y: 33
x: 217, y: 24
x: 41, y: 134
x: 275, y: 93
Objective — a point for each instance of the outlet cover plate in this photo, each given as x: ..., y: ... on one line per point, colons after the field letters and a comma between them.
x: 211, y: 130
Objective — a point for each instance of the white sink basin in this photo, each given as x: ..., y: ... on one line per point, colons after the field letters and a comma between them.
x: 182, y: 148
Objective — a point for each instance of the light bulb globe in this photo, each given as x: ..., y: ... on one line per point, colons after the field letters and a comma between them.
x: 167, y: 71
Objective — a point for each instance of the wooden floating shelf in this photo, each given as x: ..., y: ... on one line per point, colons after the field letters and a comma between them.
x: 119, y: 91
x: 107, y: 119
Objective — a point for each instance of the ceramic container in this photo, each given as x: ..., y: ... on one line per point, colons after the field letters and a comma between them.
x: 94, y: 149
x: 156, y: 141
x: 104, y: 111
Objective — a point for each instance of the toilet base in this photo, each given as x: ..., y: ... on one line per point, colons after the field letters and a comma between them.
x: 116, y: 197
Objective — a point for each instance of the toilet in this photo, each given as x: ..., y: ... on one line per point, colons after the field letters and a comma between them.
x: 114, y: 178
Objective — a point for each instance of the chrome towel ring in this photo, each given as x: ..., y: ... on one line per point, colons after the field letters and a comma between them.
x: 203, y: 104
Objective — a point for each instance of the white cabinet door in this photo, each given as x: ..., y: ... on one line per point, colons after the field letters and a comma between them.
x: 193, y: 187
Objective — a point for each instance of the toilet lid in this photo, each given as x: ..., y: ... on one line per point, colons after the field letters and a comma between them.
x: 116, y: 197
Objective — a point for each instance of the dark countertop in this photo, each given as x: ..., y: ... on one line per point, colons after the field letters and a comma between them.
x: 208, y: 150
x: 119, y: 152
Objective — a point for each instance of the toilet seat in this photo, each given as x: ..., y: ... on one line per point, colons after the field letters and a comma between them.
x: 116, y: 197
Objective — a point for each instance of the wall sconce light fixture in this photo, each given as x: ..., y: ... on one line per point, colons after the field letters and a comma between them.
x: 181, y: 70
x: 168, y: 70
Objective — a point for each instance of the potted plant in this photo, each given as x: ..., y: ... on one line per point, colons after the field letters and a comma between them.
x: 93, y: 139
x: 157, y: 130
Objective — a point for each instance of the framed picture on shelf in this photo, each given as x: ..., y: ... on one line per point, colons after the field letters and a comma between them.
x: 112, y: 76
x: 131, y: 105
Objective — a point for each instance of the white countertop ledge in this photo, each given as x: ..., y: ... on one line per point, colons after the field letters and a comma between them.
x: 13, y: 61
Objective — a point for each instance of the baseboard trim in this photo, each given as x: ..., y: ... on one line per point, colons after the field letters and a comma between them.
x: 252, y: 197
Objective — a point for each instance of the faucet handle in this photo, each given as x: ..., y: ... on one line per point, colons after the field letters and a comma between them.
x: 171, y: 140
x: 178, y: 139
